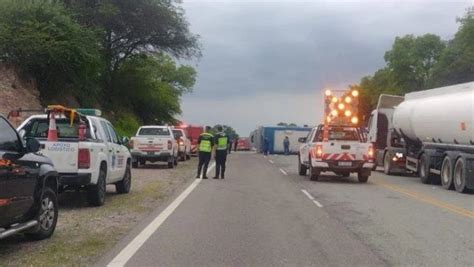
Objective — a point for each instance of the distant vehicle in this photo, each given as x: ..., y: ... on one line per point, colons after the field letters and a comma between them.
x: 28, y: 187
x: 243, y: 144
x: 154, y: 144
x: 431, y: 132
x: 192, y: 132
x: 346, y: 151
x: 184, y: 145
x: 88, y: 153
x: 275, y: 136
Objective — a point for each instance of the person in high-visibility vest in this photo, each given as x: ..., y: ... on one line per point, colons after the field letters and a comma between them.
x: 222, y: 144
x: 205, y: 145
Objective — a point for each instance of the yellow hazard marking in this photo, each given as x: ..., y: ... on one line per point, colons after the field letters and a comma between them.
x: 426, y: 199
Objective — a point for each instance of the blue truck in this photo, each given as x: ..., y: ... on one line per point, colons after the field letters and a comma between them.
x: 275, y: 136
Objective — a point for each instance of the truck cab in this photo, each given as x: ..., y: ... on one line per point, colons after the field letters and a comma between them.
x: 345, y: 151
x: 389, y: 146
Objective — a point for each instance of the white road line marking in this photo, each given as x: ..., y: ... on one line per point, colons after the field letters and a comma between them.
x: 283, y: 171
x: 271, y: 161
x: 317, y: 203
x: 127, y: 253
x: 307, y: 194
x: 312, y: 198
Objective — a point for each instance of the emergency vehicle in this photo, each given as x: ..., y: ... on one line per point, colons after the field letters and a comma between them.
x: 339, y: 145
x: 192, y: 132
x: 84, y: 148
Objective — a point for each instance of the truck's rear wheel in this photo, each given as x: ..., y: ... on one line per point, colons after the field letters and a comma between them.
x: 96, y: 193
x: 171, y: 163
x: 459, y: 176
x: 47, y: 216
x: 424, y: 173
x: 313, y: 172
x: 447, y: 173
x: 123, y: 187
x: 302, y: 169
x: 387, y: 164
x: 363, y: 175
x: 135, y: 164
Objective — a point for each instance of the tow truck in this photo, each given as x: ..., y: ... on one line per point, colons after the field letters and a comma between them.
x: 339, y: 145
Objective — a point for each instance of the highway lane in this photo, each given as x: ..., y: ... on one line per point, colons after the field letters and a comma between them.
x: 263, y: 213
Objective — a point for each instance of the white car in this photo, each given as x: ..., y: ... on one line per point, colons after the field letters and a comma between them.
x: 89, y: 163
x: 184, y: 144
x: 346, y: 151
x: 154, y: 144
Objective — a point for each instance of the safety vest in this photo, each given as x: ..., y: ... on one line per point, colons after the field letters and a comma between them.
x: 222, y: 141
x: 206, y: 144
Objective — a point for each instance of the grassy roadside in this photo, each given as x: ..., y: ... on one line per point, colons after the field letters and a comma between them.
x: 85, y: 233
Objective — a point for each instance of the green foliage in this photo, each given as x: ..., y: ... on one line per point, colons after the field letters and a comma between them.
x: 418, y: 63
x: 456, y: 64
x: 411, y: 60
x: 136, y: 27
x: 45, y: 42
x: 151, y: 87
x: 127, y: 125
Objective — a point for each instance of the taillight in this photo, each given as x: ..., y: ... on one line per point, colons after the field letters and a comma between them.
x: 170, y: 145
x: 319, y: 151
x: 371, y: 153
x: 84, y: 159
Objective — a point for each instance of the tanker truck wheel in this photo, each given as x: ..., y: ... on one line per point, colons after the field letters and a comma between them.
x: 387, y: 163
x: 447, y: 173
x: 459, y: 176
x: 424, y: 171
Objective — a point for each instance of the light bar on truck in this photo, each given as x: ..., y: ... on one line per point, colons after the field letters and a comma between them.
x: 90, y: 112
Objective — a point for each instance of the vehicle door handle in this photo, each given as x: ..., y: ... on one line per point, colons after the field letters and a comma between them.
x: 118, y: 151
x: 110, y: 151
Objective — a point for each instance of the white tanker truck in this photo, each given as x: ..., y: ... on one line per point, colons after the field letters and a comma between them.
x: 430, y: 133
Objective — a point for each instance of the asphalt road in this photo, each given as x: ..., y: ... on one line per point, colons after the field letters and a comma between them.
x: 264, y: 214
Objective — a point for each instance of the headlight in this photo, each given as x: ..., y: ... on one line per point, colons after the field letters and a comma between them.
x: 399, y: 155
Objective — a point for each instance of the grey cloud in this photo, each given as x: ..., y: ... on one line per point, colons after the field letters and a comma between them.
x: 273, y: 48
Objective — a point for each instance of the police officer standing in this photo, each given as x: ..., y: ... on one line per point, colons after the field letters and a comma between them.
x: 222, y: 142
x: 205, y: 144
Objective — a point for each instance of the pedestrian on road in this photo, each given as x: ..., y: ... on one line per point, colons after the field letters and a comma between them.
x: 236, y: 142
x: 222, y: 142
x: 266, y: 146
x: 205, y: 145
x: 229, y: 145
x: 286, y: 145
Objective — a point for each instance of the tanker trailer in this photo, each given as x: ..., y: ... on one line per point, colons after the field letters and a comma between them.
x: 437, y: 127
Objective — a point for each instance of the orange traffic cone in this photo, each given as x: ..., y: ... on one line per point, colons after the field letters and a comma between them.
x: 52, y: 132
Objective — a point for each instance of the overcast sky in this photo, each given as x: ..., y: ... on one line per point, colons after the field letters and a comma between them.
x: 268, y: 61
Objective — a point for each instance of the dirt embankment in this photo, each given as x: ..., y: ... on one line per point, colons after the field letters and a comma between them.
x: 17, y: 92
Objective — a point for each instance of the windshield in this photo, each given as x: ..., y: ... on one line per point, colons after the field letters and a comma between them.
x: 178, y: 133
x: 38, y: 128
x: 154, y: 131
x: 339, y: 134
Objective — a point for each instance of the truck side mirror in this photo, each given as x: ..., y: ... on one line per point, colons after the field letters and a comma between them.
x: 302, y: 139
x: 32, y: 145
x: 125, y: 140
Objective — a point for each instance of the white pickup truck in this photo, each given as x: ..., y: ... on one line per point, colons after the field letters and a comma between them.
x: 184, y: 144
x: 346, y: 151
x: 91, y: 163
x: 154, y: 143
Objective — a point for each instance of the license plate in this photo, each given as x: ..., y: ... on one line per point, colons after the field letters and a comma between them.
x: 344, y: 163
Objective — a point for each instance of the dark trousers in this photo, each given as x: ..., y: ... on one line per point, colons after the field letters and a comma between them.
x: 221, y: 157
x: 204, y: 158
